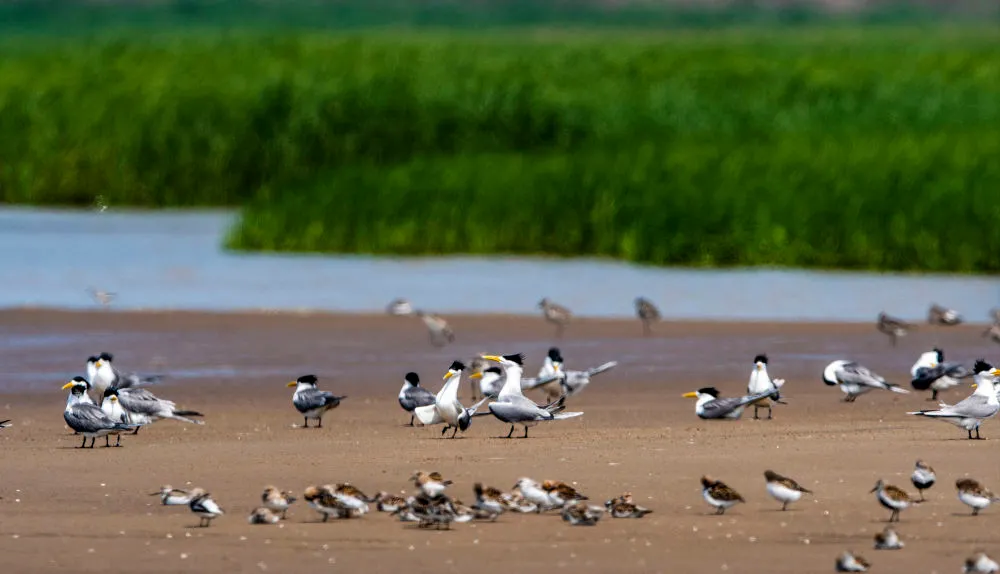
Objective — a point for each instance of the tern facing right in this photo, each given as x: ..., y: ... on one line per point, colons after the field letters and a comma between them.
x: 932, y: 372
x: 710, y: 406
x: 973, y: 410
x: 312, y: 402
x: 761, y: 382
x: 980, y: 564
x: 855, y: 380
x: 513, y: 408
x: 85, y: 417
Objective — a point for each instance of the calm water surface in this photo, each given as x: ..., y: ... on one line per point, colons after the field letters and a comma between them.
x: 175, y: 260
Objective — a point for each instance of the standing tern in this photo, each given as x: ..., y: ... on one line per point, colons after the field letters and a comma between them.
x: 892, y: 327
x: 710, y: 406
x: 143, y: 407
x: 647, y: 312
x: 85, y: 417
x: 513, y: 408
x: 312, y: 402
x: 446, y: 408
x: 412, y: 395
x: 204, y: 507
x: 555, y: 314
x: 973, y: 410
x: 761, y: 382
x: 107, y: 375
x: 855, y: 379
x: 566, y: 382
x: 938, y: 315
x: 113, y: 408
x: 932, y: 372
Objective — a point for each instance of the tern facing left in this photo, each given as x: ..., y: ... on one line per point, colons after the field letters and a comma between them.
x: 446, y: 408
x: 710, y: 406
x: 85, y: 417
x: 312, y: 402
x: 973, y: 410
x: 855, y: 379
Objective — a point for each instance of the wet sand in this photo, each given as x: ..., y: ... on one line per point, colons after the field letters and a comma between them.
x: 89, y: 510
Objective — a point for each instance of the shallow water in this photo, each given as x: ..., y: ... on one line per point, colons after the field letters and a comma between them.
x: 175, y: 260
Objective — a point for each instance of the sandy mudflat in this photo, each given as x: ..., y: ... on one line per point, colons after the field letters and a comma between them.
x: 89, y: 511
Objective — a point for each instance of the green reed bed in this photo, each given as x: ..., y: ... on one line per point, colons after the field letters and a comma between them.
x: 328, y: 133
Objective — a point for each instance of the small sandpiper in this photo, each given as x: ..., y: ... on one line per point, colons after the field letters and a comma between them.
x: 719, y: 495
x: 277, y: 500
x: 784, y: 489
x: 975, y: 495
x: 848, y: 562
x: 263, y: 515
x: 980, y: 563
x: 887, y: 540
x: 893, y: 498
x: 923, y: 477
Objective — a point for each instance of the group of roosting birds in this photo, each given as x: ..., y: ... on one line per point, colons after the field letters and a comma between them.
x: 441, y: 333
x: 894, y: 328
x: 429, y: 506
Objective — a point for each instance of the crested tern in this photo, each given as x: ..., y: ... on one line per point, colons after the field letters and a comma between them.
x: 312, y: 402
x: 719, y: 495
x: 143, y: 407
x: 933, y: 373
x: 107, y: 375
x: 761, y: 382
x: 923, y: 477
x: 893, y: 498
x: 974, y: 495
x: 783, y: 489
x: 556, y: 314
x: 647, y: 312
x: 888, y: 540
x: 85, y: 417
x: 446, y: 408
x: 938, y: 315
x: 566, y: 382
x: 437, y: 328
x: 892, y: 327
x: 490, y: 381
x: 855, y: 379
x: 710, y: 406
x: 204, y: 507
x: 115, y: 412
x: 513, y: 408
x: 973, y: 410
x: 412, y: 395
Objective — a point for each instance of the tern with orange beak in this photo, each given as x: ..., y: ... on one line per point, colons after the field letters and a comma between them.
x: 513, y: 408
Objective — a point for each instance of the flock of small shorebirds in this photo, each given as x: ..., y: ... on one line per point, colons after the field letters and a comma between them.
x: 109, y: 402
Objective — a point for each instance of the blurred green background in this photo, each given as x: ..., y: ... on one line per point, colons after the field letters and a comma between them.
x: 659, y: 132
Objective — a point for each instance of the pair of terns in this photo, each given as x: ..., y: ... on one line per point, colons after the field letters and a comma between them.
x: 762, y: 391
x: 510, y: 404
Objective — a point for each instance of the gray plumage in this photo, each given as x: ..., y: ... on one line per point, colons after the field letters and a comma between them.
x: 720, y: 408
x: 143, y: 407
x: 90, y: 421
x: 414, y: 397
x: 312, y: 399
x: 925, y: 376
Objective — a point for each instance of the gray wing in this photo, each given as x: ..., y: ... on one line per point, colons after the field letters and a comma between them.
x: 722, y: 407
x: 859, y: 375
x: 86, y: 417
x: 975, y: 406
x: 530, y: 383
x: 314, y: 398
x: 141, y: 401
x: 956, y: 370
x: 416, y: 397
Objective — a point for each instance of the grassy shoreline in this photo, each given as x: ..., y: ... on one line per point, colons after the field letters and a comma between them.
x: 832, y: 147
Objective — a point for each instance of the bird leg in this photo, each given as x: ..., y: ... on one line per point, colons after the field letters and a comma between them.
x: 894, y: 517
x: 720, y: 510
x: 107, y: 440
x: 784, y: 506
x: 755, y: 407
x: 975, y: 512
x: 136, y: 431
x: 934, y: 394
x: 921, y: 491
x: 511, y: 433
x: 454, y: 432
x: 445, y: 429
x: 411, y: 420
x: 305, y: 422
x: 769, y: 412
x: 977, y: 434
x: 319, y: 422
x: 92, y: 441
x: 119, y: 441
x: 525, y: 432
x: 85, y: 441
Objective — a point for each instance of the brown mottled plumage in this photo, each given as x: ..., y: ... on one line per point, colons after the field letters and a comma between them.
x: 561, y: 493
x: 719, y: 495
x: 892, y: 497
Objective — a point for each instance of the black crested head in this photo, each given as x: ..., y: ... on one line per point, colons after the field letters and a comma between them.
x: 496, y: 370
x: 709, y: 391
x: 412, y: 378
x: 307, y: 379
x: 515, y: 358
x: 110, y: 391
x: 981, y: 367
x: 940, y: 354
x: 760, y: 359
x: 106, y: 357
x: 92, y: 359
x: 81, y: 380
x: 457, y: 366
x: 554, y: 354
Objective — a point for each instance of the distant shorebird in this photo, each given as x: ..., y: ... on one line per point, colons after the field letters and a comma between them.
x: 555, y: 314
x: 716, y: 493
x: 974, y: 495
x: 101, y: 297
x: 980, y: 564
x: 993, y: 332
x: 440, y: 332
x: 399, y: 307
x: 848, y: 562
x: 855, y: 379
x: 923, y: 477
x: 938, y: 315
x: 893, y: 327
x: 783, y: 489
x: 888, y: 540
x: 647, y: 312
x: 893, y: 498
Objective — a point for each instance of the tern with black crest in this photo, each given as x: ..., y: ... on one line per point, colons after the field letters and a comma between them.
x: 513, y: 408
x: 855, y: 379
x: 761, y: 382
x: 932, y: 373
x: 142, y: 407
x: 973, y: 410
x: 446, y: 408
x: 709, y: 406
x: 86, y: 418
x: 412, y: 395
x: 106, y: 375
x: 312, y: 402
